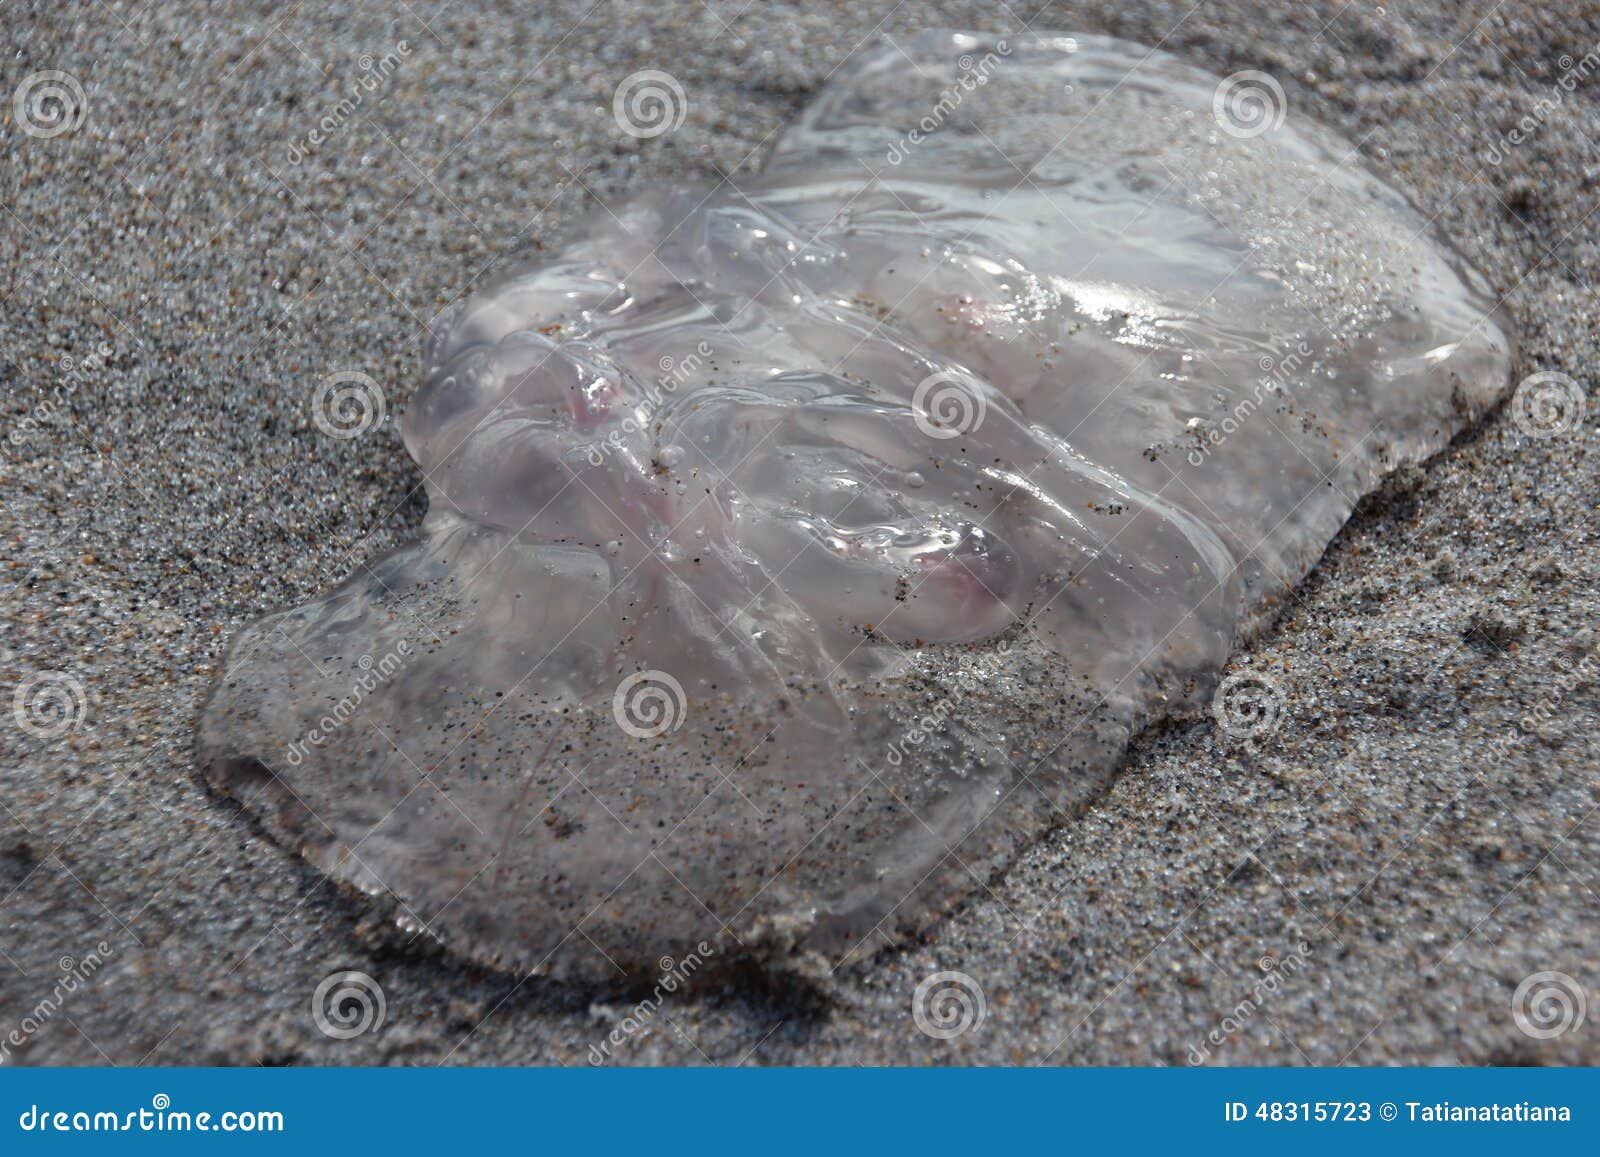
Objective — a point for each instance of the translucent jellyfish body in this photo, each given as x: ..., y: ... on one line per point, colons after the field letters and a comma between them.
x: 799, y: 549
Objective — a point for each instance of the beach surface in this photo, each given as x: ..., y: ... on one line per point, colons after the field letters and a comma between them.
x: 1407, y: 871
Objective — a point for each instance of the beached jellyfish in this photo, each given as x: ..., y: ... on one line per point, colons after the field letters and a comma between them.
x: 798, y: 551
